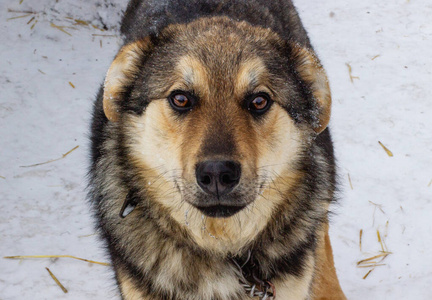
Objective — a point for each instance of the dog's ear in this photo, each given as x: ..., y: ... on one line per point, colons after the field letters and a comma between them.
x: 121, y: 74
x: 313, y: 74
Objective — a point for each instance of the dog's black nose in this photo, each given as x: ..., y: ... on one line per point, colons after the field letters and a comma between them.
x: 218, y: 177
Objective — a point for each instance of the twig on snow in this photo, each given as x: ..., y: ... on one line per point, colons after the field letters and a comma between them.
x: 52, y: 160
x: 56, y: 256
x: 57, y: 281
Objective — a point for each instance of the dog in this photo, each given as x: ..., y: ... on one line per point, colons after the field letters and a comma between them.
x: 212, y: 165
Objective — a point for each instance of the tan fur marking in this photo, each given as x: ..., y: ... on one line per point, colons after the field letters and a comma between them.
x: 192, y: 75
x: 119, y: 74
x: 159, y: 165
x: 251, y: 77
x: 128, y: 289
x: 277, y: 154
x: 293, y: 287
x: 326, y: 285
x: 312, y: 71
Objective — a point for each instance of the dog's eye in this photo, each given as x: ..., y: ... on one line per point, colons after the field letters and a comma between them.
x: 180, y: 101
x: 259, y: 104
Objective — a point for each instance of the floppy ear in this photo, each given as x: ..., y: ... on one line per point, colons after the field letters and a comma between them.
x: 312, y: 72
x: 121, y: 74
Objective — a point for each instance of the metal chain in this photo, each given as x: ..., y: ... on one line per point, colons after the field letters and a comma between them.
x: 254, y: 290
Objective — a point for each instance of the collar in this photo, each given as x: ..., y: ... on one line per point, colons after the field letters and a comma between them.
x: 252, y: 284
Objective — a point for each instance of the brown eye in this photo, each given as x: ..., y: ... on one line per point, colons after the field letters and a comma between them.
x: 181, y: 101
x: 258, y: 104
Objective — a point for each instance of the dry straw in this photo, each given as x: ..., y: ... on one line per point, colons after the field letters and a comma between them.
x: 350, y: 182
x: 61, y: 28
x: 56, y: 256
x: 389, y: 153
x: 81, y: 22
x: 350, y: 73
x: 57, y: 281
x: 52, y: 160
x: 19, y: 17
x: 34, y: 24
x: 376, y: 260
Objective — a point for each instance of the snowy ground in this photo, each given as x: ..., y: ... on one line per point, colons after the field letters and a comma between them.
x: 48, y: 79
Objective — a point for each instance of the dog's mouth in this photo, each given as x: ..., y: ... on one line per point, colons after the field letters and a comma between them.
x: 220, y: 211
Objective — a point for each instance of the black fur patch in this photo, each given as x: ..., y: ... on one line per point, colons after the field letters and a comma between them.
x: 143, y: 18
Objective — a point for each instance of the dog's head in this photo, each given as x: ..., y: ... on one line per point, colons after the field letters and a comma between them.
x: 216, y: 115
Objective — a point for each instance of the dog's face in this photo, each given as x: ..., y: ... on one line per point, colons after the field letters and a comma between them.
x: 216, y: 116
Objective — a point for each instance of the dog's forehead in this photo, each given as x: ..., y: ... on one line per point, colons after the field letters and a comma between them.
x: 220, y: 53
x: 239, y: 77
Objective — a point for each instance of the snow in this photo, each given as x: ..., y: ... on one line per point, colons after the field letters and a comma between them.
x: 387, y: 44
x: 44, y: 212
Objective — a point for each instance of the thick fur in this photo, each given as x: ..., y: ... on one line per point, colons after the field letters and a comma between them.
x: 146, y: 153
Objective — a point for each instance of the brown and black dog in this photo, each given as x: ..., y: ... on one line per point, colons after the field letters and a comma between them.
x: 212, y: 165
